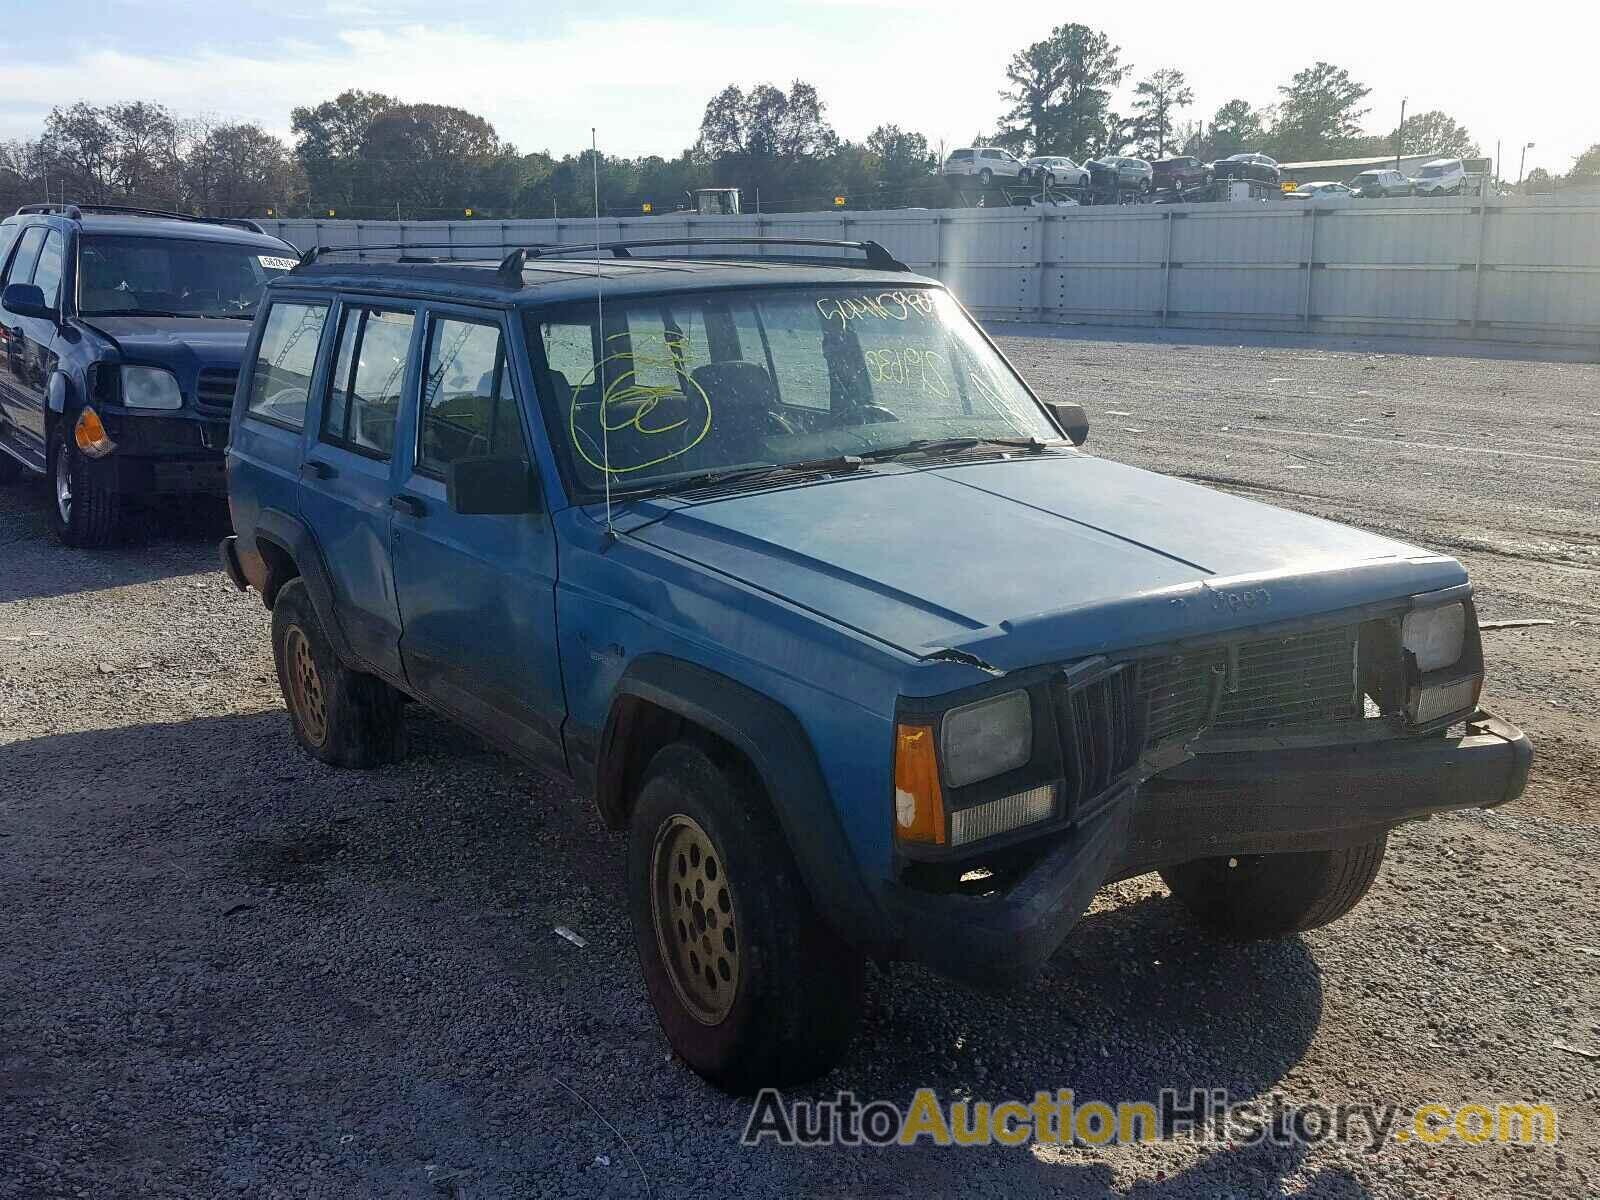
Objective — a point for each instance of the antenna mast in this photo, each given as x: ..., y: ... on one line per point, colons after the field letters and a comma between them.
x: 600, y: 318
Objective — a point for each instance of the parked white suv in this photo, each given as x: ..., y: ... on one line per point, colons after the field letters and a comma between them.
x: 1058, y: 171
x: 988, y: 163
x: 1441, y: 177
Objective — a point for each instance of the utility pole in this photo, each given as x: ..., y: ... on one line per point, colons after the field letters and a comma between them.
x: 1400, y: 133
x: 1522, y: 165
x: 1497, y: 162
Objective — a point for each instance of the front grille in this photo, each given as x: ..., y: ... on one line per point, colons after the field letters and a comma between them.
x: 1269, y: 683
x: 1175, y: 694
x: 1293, y: 681
x: 214, y: 391
x: 1099, y: 722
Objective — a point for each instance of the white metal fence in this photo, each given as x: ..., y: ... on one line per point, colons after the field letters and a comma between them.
x: 1511, y: 271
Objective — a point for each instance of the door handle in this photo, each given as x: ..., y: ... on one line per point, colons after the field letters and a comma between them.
x: 409, y: 505
x: 312, y: 469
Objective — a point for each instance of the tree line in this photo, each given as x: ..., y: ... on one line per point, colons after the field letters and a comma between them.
x: 370, y: 155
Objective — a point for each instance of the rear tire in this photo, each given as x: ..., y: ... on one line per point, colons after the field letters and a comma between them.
x: 84, y: 511
x: 343, y: 717
x: 750, y: 987
x: 1274, y: 895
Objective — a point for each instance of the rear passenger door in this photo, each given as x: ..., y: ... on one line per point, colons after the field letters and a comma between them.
x: 477, y: 592
x: 347, y: 478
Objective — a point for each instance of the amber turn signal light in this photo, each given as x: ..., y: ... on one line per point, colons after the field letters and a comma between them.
x: 918, y: 801
x: 90, y: 435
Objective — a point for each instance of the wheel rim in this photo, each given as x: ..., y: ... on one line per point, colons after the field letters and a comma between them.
x: 692, y: 901
x: 64, y: 486
x: 305, y: 685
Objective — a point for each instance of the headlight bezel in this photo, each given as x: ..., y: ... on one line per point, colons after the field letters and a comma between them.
x: 978, y: 798
x: 134, y: 378
x: 1431, y: 680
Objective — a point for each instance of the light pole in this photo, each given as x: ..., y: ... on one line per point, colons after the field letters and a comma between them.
x: 1400, y: 132
x: 1523, y: 162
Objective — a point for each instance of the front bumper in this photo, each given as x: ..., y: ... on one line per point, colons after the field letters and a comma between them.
x: 176, y: 455
x: 1258, y: 802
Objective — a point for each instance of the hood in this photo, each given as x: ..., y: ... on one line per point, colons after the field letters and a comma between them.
x: 176, y: 341
x: 1030, y: 560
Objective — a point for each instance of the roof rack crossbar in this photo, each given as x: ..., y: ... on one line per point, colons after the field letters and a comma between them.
x: 315, y: 253
x: 877, y: 256
x: 70, y: 207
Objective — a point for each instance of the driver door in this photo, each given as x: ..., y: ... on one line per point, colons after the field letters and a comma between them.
x: 476, y: 592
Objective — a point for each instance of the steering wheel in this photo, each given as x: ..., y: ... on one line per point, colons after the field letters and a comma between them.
x: 778, y: 424
x: 868, y: 414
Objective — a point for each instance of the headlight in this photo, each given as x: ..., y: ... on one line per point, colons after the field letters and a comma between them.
x: 1435, y: 636
x: 988, y: 738
x: 150, y: 387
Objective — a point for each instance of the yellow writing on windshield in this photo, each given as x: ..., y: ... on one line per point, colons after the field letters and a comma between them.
x: 633, y: 419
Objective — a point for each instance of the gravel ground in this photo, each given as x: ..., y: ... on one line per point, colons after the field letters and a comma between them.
x: 229, y: 970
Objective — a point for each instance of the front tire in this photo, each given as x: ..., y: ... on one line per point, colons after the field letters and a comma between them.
x: 1274, y: 895
x: 84, y: 510
x: 342, y: 717
x: 750, y: 987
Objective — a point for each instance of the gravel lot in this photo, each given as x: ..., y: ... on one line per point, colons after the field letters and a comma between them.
x: 229, y: 970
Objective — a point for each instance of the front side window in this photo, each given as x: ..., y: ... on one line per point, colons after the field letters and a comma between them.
x: 469, y: 409
x: 280, y: 381
x: 690, y: 384
x: 27, y: 255
x: 47, y: 274
x: 159, y: 276
x: 368, y: 374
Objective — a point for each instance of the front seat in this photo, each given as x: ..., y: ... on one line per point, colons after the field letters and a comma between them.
x: 742, y: 399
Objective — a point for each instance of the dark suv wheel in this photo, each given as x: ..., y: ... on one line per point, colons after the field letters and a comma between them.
x: 343, y: 717
x: 750, y: 986
x: 85, y: 510
x: 985, y: 177
x: 1273, y: 895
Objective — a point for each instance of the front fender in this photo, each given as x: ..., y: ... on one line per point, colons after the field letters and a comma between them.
x: 776, y: 745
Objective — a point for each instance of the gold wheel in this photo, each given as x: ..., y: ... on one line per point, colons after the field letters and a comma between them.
x: 692, y: 902
x: 305, y: 686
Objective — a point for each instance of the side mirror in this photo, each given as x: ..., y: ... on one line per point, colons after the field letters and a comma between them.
x: 491, y: 486
x: 1072, y: 419
x: 26, y: 300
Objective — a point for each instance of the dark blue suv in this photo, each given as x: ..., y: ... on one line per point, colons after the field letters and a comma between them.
x: 787, y: 567
x: 121, y: 332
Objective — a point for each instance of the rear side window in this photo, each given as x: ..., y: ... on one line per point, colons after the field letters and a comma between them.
x: 47, y: 275
x: 280, y: 381
x: 961, y: 156
x: 469, y: 409
x: 369, y: 372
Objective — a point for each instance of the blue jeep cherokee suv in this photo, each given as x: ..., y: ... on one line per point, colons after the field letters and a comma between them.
x: 121, y: 332
x: 787, y: 567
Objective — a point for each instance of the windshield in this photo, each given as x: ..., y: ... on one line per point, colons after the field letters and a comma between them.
x: 699, y: 383
x: 172, y: 276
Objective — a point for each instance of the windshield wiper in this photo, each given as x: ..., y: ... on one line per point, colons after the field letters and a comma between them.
x: 734, y: 475
x: 945, y: 445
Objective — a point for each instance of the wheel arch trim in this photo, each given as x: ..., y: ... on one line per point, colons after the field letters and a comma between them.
x: 780, y: 751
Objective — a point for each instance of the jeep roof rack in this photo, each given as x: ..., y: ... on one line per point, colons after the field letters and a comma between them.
x: 77, y: 210
x: 316, y: 252
x: 877, y: 257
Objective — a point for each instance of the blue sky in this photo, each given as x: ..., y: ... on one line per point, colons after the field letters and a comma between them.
x: 548, y: 72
